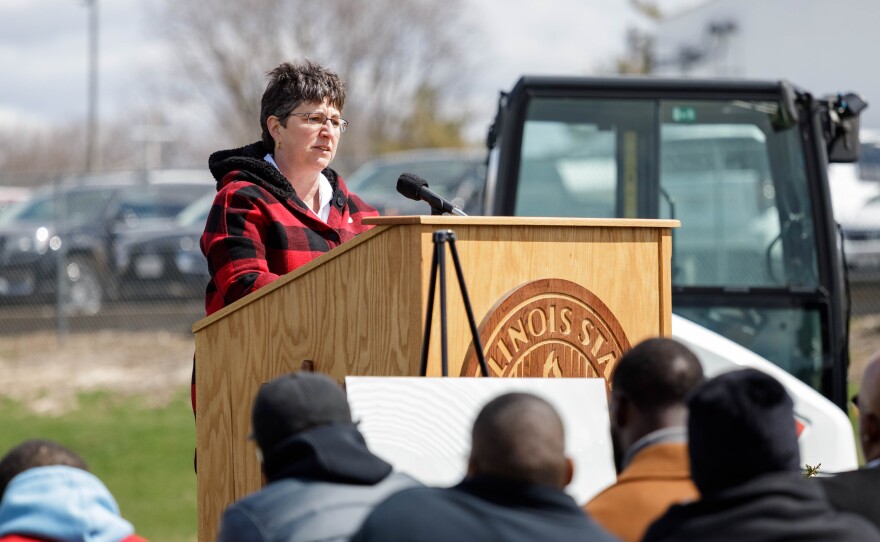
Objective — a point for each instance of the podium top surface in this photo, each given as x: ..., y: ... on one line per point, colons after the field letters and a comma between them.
x: 383, y: 223
x: 521, y: 221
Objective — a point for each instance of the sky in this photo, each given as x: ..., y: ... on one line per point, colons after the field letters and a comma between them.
x: 44, y: 45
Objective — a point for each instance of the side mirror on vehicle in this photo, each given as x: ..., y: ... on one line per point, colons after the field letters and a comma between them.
x: 842, y: 127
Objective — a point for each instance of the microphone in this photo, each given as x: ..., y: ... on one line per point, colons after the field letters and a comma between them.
x: 414, y: 187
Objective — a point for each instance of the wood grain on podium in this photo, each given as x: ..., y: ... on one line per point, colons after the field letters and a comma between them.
x: 359, y: 310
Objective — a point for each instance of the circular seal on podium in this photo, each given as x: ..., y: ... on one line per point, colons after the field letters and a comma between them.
x: 549, y: 328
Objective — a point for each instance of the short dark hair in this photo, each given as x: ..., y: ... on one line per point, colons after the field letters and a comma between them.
x: 519, y: 436
x: 36, y: 453
x: 657, y: 374
x: 293, y: 84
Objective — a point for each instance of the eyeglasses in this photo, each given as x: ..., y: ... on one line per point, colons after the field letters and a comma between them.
x: 319, y: 119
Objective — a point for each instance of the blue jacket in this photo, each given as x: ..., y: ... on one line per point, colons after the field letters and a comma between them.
x: 61, y: 503
x: 323, y: 483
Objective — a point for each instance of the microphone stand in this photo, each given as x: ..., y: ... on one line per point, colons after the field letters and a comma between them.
x: 440, y: 238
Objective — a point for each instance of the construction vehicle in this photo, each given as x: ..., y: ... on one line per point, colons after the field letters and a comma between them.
x: 758, y: 274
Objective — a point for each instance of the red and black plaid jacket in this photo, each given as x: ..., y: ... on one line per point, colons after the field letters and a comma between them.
x: 258, y: 229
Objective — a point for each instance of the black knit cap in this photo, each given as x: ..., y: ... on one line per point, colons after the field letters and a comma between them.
x: 740, y: 425
x: 294, y: 403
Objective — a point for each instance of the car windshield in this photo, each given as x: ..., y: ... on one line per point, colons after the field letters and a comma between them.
x: 456, y: 175
x: 197, y: 212
x: 74, y: 206
x: 377, y: 180
x: 156, y: 204
x: 129, y: 205
x: 869, y: 161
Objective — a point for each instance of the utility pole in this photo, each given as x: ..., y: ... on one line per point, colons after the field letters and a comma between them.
x: 92, y: 119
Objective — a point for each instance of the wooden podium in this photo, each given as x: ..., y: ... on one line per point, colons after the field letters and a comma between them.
x: 360, y: 309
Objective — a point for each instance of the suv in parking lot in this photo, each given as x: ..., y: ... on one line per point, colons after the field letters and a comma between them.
x: 855, y: 193
x: 861, y: 241
x: 162, y: 264
x: 455, y: 174
x: 59, y: 245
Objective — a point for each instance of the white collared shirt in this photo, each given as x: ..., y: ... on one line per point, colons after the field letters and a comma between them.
x: 325, y: 192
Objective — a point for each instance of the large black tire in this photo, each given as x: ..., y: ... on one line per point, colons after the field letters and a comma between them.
x: 85, y: 292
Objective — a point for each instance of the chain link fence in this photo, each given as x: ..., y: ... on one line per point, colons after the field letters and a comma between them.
x: 110, y: 251
x: 119, y: 252
x: 865, y: 296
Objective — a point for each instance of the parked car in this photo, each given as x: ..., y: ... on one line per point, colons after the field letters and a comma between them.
x: 861, y: 241
x: 855, y: 194
x: 10, y: 195
x: 166, y: 264
x: 455, y: 174
x: 853, y: 184
x: 64, y: 236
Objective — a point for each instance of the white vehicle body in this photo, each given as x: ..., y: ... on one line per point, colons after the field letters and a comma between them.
x: 826, y: 435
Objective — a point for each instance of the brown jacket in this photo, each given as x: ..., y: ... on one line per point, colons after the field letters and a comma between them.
x: 657, y: 477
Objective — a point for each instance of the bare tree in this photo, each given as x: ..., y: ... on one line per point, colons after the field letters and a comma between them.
x: 386, y: 50
x: 31, y: 156
x: 638, y: 57
x: 425, y: 128
x: 648, y: 8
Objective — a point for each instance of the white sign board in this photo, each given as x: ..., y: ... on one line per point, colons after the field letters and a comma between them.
x: 422, y: 425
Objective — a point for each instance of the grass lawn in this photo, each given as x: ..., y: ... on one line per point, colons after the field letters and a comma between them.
x: 142, y: 453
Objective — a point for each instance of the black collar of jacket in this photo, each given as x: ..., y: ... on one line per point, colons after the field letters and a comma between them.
x: 249, y: 161
x: 785, y: 494
x: 516, y: 494
x: 329, y: 453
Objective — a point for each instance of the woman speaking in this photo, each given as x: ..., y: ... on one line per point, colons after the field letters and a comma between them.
x: 278, y: 203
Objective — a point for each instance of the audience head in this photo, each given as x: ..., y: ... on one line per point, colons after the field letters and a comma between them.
x: 649, y: 386
x: 868, y: 403
x: 741, y: 425
x: 520, y: 437
x: 36, y: 453
x: 293, y: 403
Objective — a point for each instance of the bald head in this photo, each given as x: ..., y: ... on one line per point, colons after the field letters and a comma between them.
x: 519, y: 436
x: 869, y: 410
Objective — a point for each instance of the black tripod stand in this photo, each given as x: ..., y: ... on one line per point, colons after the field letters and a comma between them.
x: 441, y: 237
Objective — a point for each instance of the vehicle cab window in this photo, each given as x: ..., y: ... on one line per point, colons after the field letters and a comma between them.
x: 731, y: 171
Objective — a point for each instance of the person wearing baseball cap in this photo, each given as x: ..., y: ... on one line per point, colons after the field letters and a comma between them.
x: 319, y: 478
